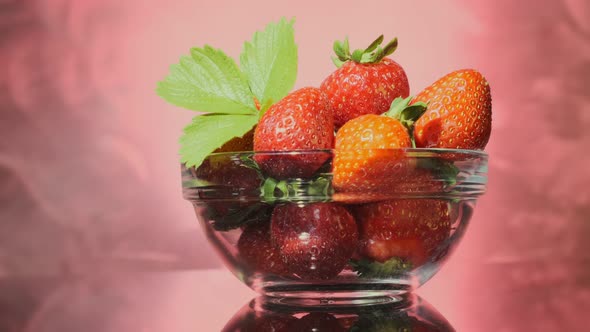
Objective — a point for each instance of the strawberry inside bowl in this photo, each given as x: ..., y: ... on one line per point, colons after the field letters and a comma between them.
x: 350, y: 232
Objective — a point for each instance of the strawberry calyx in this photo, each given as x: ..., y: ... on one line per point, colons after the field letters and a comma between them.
x: 318, y: 189
x: 407, y: 114
x: 372, y: 54
x: 445, y: 169
x: 373, y: 269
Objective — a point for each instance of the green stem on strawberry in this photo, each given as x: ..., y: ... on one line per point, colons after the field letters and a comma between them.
x: 318, y: 189
x: 372, y: 54
x: 373, y: 269
x: 443, y: 168
x: 407, y: 114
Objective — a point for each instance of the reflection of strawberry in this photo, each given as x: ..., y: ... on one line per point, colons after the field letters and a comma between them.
x: 459, y: 114
x: 257, y: 251
x: 260, y: 321
x: 399, y: 320
x: 408, y: 229
x: 273, y: 323
x: 366, y: 83
x: 301, y: 121
x: 317, y: 321
x: 315, y: 240
x: 368, y: 151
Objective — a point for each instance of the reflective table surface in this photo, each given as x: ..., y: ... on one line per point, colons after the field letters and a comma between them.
x: 214, y: 300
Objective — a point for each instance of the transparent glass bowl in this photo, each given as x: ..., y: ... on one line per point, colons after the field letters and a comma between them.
x: 321, y: 226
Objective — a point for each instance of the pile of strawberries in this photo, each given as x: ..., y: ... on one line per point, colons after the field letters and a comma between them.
x: 364, y: 113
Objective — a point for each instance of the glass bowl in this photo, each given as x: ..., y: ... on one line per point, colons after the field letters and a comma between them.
x: 325, y: 226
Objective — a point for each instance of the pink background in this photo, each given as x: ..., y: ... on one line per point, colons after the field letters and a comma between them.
x: 89, y: 174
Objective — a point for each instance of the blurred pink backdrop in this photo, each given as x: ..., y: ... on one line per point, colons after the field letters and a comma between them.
x: 89, y: 172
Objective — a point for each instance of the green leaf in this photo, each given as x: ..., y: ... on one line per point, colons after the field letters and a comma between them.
x: 207, y: 81
x: 390, y: 47
x: 210, y: 131
x: 339, y: 50
x: 337, y: 62
x: 269, y: 61
x: 372, y: 269
x: 374, y: 44
x: 346, y: 46
x: 357, y: 55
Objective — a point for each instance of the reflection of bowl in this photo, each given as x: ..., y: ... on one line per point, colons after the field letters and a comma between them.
x: 409, y: 315
x: 319, y: 237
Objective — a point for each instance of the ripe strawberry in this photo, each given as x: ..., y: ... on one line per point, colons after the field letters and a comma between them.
x: 366, y: 82
x: 459, y: 114
x: 408, y: 229
x: 315, y: 240
x: 301, y: 121
x: 236, y: 144
x: 225, y: 170
x: 258, y: 252
x: 369, y: 153
x: 226, y: 176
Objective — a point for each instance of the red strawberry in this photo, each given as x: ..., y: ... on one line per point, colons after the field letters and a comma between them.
x: 302, y: 120
x: 409, y: 229
x: 369, y: 153
x: 315, y: 240
x: 366, y: 82
x: 225, y: 175
x: 225, y: 170
x: 459, y: 114
x: 257, y: 251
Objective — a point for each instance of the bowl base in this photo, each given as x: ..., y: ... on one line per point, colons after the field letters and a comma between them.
x: 332, y: 302
x: 335, y: 295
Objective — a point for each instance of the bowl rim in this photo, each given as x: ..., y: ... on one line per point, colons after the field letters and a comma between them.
x: 413, y: 152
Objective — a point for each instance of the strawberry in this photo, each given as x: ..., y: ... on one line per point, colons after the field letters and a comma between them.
x: 366, y: 82
x: 459, y: 114
x: 315, y: 240
x: 225, y: 170
x: 257, y: 251
x: 226, y: 176
x: 369, y: 153
x: 407, y: 229
x: 237, y: 144
x: 302, y: 120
